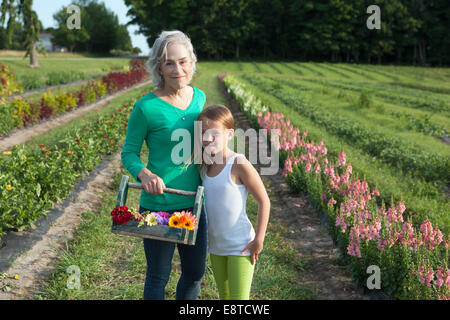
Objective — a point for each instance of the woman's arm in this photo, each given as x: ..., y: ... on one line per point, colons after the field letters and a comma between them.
x: 251, y: 179
x: 130, y: 155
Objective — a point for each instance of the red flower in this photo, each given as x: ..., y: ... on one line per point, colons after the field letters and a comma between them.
x: 121, y: 215
x: 42, y: 145
x: 85, y: 144
x: 77, y: 140
x: 112, y: 117
x: 105, y: 137
x: 126, y: 106
x: 69, y: 153
x: 125, y: 124
x: 45, y: 151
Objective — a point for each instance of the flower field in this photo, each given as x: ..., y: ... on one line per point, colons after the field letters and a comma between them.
x: 340, y: 140
x: 25, y: 112
x: 36, y: 176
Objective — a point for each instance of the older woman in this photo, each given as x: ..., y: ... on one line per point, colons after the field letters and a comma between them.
x: 173, y: 105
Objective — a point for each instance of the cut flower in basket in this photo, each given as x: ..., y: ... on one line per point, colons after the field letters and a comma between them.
x: 150, y: 219
x: 183, y: 219
x: 122, y: 215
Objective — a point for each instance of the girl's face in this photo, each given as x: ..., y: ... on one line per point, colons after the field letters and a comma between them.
x: 176, y: 69
x: 215, y: 137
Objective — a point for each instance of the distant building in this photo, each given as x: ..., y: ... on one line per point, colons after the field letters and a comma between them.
x: 47, y: 42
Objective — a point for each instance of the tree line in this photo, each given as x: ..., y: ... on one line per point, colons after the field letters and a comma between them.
x: 412, y: 31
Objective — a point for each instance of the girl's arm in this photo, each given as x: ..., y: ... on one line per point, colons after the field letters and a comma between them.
x: 251, y: 179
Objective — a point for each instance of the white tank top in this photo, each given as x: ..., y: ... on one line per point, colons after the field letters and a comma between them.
x: 229, y: 229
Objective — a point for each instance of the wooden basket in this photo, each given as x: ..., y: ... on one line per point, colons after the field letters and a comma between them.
x: 163, y: 233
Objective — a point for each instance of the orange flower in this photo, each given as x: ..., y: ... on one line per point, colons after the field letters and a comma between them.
x: 186, y: 220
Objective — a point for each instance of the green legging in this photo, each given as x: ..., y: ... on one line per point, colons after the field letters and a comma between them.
x: 233, y: 275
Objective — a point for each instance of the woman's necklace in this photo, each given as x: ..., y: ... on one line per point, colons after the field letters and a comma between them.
x: 184, y: 113
x: 183, y: 117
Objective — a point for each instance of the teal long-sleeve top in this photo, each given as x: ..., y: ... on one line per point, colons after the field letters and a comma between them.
x: 153, y: 120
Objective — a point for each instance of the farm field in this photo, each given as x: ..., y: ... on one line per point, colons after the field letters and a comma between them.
x: 373, y: 157
x: 391, y: 121
x: 392, y: 134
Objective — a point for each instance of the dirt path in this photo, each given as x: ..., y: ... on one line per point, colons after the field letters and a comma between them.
x: 306, y: 232
x: 31, y: 254
x: 24, y: 135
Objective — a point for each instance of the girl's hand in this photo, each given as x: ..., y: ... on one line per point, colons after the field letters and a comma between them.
x: 255, y: 248
x: 151, y: 182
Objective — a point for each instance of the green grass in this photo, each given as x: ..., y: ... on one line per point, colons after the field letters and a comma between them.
x: 21, y: 67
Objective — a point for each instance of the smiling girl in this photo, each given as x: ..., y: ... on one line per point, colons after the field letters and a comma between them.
x: 227, y: 177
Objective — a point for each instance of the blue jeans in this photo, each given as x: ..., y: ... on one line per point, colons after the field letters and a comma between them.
x: 159, y: 264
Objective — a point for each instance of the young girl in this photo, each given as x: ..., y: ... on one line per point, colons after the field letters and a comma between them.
x: 227, y: 177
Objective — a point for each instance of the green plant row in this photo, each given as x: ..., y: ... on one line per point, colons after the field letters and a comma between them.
x: 33, y: 178
x: 36, y: 81
x: 422, y: 124
x: 436, y: 105
x: 432, y: 167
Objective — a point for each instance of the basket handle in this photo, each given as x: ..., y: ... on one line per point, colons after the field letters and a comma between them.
x: 165, y: 190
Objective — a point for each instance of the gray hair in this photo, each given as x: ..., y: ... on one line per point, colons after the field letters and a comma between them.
x: 159, y: 50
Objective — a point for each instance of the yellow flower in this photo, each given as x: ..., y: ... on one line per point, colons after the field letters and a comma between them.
x: 24, y: 157
x: 16, y: 276
x: 8, y: 187
x: 7, y: 153
x: 150, y: 220
x: 174, y: 221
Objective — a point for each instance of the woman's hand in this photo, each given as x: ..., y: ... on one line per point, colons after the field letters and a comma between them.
x: 151, y: 182
x: 255, y: 248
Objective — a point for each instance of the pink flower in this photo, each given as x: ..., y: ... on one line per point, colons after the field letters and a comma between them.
x: 331, y: 202
x: 317, y: 168
x: 308, y: 167
x: 440, y: 277
x: 342, y: 159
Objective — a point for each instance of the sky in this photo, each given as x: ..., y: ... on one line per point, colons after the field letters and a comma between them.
x: 46, y: 8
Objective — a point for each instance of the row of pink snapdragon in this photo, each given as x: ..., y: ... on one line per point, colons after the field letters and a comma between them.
x: 357, y: 210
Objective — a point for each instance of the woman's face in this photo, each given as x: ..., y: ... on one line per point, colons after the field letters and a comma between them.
x: 176, y: 69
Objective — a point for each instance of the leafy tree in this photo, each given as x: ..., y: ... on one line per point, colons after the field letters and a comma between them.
x: 32, y: 27
x: 65, y: 37
x: 9, y: 8
x: 100, y: 30
x: 330, y: 30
